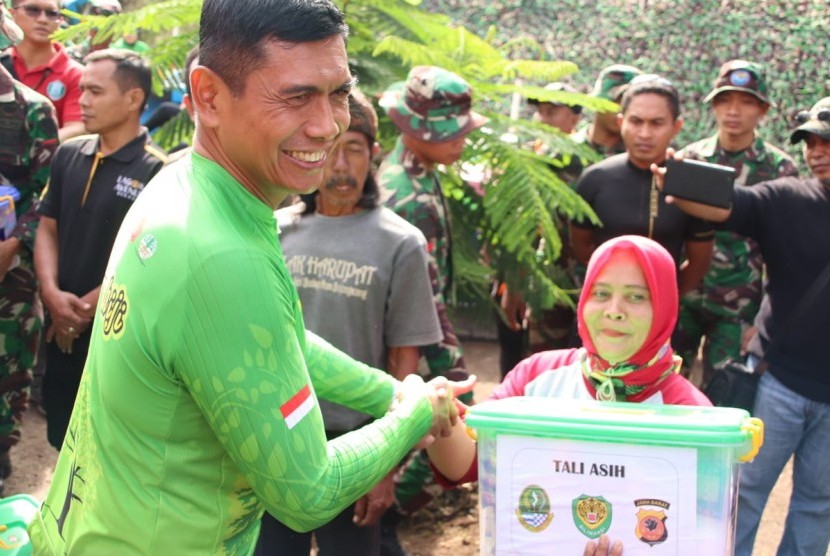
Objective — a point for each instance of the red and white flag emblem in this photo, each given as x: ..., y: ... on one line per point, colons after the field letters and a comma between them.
x: 297, y: 407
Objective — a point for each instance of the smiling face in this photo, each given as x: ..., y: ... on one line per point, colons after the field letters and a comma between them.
x: 648, y: 127
x: 738, y: 114
x: 618, y: 312
x: 274, y: 136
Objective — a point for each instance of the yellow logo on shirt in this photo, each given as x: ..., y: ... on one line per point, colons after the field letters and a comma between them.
x: 114, y: 310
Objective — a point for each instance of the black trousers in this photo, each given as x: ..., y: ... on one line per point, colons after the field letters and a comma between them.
x: 60, y: 385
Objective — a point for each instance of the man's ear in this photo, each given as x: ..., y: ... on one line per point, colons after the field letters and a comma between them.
x: 135, y: 99
x: 375, y: 150
x: 206, y: 90
x: 678, y: 125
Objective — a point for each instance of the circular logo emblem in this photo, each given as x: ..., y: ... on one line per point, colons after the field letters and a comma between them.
x: 740, y: 78
x: 534, y: 509
x: 56, y: 90
x: 147, y: 246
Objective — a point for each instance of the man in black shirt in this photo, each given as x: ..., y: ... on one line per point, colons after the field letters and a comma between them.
x: 94, y: 181
x: 623, y: 195
x: 790, y: 219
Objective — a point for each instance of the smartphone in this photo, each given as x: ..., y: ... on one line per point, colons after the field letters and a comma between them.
x: 710, y: 184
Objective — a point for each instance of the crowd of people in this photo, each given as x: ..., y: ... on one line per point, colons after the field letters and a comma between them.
x: 259, y: 328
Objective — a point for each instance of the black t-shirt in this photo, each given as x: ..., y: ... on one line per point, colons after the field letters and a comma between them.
x: 89, y: 196
x: 620, y: 194
x: 790, y: 220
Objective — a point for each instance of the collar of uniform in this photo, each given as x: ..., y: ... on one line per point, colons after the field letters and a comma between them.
x: 216, y: 177
x: 126, y: 153
x: 411, y: 163
x: 755, y: 152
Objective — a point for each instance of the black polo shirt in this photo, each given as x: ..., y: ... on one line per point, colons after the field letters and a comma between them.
x: 620, y: 194
x: 89, y: 195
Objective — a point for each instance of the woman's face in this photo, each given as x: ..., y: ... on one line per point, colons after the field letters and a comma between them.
x: 618, y: 311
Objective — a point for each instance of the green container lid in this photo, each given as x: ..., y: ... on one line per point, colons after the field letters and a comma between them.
x: 630, y: 423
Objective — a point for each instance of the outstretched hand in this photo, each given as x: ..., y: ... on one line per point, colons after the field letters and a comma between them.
x: 659, y: 172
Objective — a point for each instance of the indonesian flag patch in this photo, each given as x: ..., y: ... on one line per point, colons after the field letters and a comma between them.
x: 297, y: 407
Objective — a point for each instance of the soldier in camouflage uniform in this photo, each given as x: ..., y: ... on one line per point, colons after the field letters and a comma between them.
x: 726, y: 301
x: 28, y: 138
x: 432, y: 109
x: 603, y: 134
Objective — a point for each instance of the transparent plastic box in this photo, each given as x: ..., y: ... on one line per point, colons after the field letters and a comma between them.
x: 554, y: 474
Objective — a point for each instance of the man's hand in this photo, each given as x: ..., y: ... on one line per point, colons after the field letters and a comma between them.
x: 659, y: 172
x: 515, y: 310
x: 8, y: 249
x: 68, y: 312
x: 441, y: 394
x: 603, y: 547
x: 368, y: 509
x: 63, y: 340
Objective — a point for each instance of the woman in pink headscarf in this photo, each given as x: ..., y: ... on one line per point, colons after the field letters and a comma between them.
x: 626, y: 315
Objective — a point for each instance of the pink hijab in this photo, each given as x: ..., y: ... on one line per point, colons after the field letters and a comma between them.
x: 655, y: 357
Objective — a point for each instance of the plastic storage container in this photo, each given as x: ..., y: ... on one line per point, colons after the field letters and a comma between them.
x: 16, y: 512
x: 554, y: 474
x: 8, y: 197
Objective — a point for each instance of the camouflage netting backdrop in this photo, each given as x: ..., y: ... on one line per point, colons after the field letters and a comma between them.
x: 685, y: 40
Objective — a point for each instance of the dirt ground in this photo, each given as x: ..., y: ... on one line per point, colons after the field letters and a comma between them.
x: 448, y: 526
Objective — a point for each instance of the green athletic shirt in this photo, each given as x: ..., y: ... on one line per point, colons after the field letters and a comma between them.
x: 197, y: 405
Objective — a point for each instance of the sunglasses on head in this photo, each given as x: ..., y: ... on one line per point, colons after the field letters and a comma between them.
x: 35, y: 11
x: 652, y: 78
x: 805, y: 116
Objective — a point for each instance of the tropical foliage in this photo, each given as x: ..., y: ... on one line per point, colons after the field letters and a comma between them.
x: 499, y: 215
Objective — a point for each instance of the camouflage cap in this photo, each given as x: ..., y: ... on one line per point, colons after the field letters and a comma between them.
x: 10, y: 33
x: 740, y: 75
x: 613, y: 81
x: 363, y: 116
x: 432, y: 105
x: 816, y: 121
x: 557, y: 86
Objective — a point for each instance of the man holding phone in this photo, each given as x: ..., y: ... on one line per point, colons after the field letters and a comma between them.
x: 725, y: 303
x: 790, y: 219
x: 622, y: 192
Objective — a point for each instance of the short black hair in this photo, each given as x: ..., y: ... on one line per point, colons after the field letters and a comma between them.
x: 656, y: 86
x: 189, y: 62
x: 232, y: 33
x: 131, y: 70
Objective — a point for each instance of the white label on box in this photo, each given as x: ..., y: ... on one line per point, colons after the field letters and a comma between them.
x: 553, y: 496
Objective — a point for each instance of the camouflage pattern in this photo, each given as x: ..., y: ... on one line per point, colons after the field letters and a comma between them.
x: 613, y: 81
x: 730, y: 294
x: 414, y: 193
x: 433, y: 105
x: 28, y: 139
x: 740, y: 75
x: 816, y: 121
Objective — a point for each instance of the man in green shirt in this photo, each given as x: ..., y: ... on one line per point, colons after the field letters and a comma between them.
x: 198, y: 405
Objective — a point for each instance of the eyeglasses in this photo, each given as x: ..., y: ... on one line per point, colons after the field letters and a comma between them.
x: 823, y: 115
x: 35, y: 11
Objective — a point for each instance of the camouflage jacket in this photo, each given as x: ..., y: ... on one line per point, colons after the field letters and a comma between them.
x: 733, y: 284
x: 28, y: 139
x: 414, y: 193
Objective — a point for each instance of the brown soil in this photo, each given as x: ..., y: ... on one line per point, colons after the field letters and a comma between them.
x: 448, y: 526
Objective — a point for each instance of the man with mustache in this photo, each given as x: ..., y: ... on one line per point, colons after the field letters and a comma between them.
x: 622, y: 191
x: 361, y: 272
x: 726, y: 301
